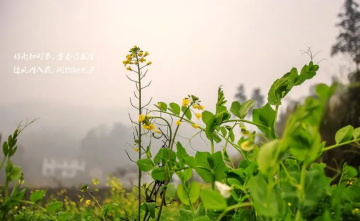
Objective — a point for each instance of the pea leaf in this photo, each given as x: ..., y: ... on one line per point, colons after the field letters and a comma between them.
x: 145, y: 165
x: 266, y: 117
x: 175, y: 108
x: 344, y: 134
x: 213, y: 200
x: 194, y: 191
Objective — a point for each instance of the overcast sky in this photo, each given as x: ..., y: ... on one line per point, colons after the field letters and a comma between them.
x: 195, y: 46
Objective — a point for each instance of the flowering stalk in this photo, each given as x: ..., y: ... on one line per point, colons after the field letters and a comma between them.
x: 136, y: 57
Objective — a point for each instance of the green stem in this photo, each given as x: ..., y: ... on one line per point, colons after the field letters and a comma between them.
x: 236, y: 206
x: 140, y: 135
x: 2, y: 162
x: 32, y: 203
x: 340, y: 144
x: 171, y: 147
x: 246, y: 121
x: 93, y: 198
x: 301, y: 191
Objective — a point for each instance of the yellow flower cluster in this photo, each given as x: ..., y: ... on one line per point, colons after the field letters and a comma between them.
x: 95, y: 181
x: 350, y: 183
x: 355, y: 211
x: 198, y: 116
x: 136, y: 55
x: 178, y: 122
x: 199, y: 107
x: 186, y: 102
x: 88, y: 202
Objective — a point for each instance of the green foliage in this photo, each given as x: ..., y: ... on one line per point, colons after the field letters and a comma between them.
x: 278, y: 179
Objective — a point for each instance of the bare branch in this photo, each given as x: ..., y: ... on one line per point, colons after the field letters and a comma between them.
x: 146, y: 85
x: 132, y: 79
x: 133, y: 105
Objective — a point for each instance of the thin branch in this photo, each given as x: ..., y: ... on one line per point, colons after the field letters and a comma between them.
x: 131, y: 79
x: 146, y: 85
x: 133, y: 105
x: 147, y: 103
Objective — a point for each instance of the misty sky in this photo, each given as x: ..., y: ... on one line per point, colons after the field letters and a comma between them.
x: 195, y: 46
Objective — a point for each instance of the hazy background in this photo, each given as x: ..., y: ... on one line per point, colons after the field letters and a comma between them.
x: 195, y: 46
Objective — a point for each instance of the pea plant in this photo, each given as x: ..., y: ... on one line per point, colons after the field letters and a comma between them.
x: 279, y: 178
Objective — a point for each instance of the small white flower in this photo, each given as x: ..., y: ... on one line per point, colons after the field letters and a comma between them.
x: 224, y: 189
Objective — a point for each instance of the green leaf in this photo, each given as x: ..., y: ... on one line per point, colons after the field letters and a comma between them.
x: 170, y: 191
x: 186, y: 215
x: 213, y: 200
x: 63, y: 216
x: 14, y: 173
x: 175, y: 108
x: 36, y: 196
x: 356, y: 133
x: 187, y: 174
x: 235, y: 108
x: 181, y: 151
x: 194, y: 191
x: 182, y: 194
x: 190, y: 161
x: 188, y: 114
x: 350, y: 171
x: 163, y: 106
x: 203, y: 167
x: 145, y: 165
x: 5, y: 148
x: 158, y: 173
x: 54, y: 206
x: 265, y: 116
x: 344, y: 134
x: 206, y: 116
x: 245, y: 107
x: 259, y: 193
x: 269, y: 157
x: 210, y: 167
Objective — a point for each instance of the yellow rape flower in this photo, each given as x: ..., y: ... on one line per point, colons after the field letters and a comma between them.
x: 141, y: 118
x: 88, y: 202
x: 141, y: 53
x: 142, y: 60
x: 195, y: 106
x: 198, y: 116
x: 178, y: 122
x: 151, y: 127
x: 146, y: 54
x: 157, y: 131
x: 16, y: 207
x: 201, y: 107
x: 125, y: 63
x: 159, y: 104
x: 128, y: 56
x: 136, y: 62
x: 148, y: 116
x: 185, y: 102
x: 136, y: 149
x: 149, y: 63
x: 195, y: 126
x: 289, y: 204
x: 95, y: 181
x: 128, y: 68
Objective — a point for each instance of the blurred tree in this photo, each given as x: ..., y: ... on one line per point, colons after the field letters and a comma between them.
x: 348, y: 41
x: 345, y: 106
x: 241, y: 96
